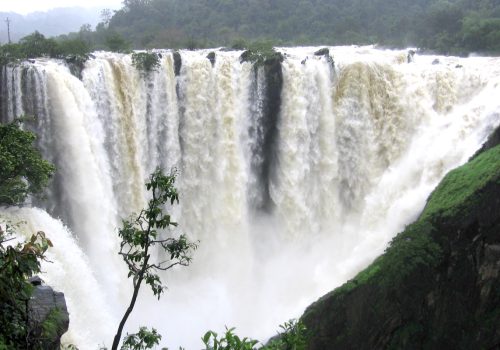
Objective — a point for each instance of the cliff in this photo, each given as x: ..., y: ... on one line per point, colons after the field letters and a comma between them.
x: 437, y: 286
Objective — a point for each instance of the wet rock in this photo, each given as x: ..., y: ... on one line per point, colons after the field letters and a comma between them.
x: 211, y: 58
x: 322, y: 52
x: 177, y: 63
x: 411, y: 56
x: 48, y: 315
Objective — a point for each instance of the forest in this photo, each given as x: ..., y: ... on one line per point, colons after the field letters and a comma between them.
x: 449, y: 27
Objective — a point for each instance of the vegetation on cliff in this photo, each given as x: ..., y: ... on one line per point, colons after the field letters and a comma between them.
x: 437, y: 284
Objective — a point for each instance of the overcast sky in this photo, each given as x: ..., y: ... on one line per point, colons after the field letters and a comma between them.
x: 27, y: 6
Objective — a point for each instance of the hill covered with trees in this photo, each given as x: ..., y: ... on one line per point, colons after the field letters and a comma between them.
x: 447, y: 26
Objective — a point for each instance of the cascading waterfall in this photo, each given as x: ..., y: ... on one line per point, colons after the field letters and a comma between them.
x: 286, y: 206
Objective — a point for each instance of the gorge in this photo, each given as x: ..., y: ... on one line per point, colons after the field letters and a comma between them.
x: 293, y: 176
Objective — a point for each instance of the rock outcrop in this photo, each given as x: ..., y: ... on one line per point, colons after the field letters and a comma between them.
x: 48, y: 315
x: 438, y: 284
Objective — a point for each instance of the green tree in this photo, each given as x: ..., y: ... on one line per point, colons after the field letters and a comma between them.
x: 146, y: 61
x: 36, y: 45
x: 143, y: 235
x: 10, y: 53
x: 76, y: 46
x: 17, y: 263
x: 116, y: 43
x: 144, y: 339
x: 229, y: 341
x: 23, y: 171
x: 293, y: 336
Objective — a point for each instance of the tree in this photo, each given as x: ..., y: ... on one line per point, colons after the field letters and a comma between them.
x: 106, y: 16
x: 116, y: 43
x: 17, y: 263
x: 146, y: 61
x: 23, y: 171
x: 36, y: 45
x: 143, y: 235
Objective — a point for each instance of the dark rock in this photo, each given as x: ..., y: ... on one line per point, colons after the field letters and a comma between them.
x: 322, y: 52
x: 265, y: 130
x: 211, y: 58
x: 459, y: 66
x: 493, y: 140
x: 331, y: 62
x: 177, y: 63
x: 36, y: 281
x: 76, y: 64
x: 245, y: 56
x: 48, y: 315
x: 326, y: 53
x: 438, y: 284
x: 411, y: 56
x: 436, y: 61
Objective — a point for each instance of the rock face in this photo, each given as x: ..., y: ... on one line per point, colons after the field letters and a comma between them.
x: 271, y: 109
x: 177, y: 63
x: 322, y: 52
x: 48, y: 315
x: 438, y: 285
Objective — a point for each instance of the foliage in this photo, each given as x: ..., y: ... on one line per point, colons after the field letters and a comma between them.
x: 23, y: 170
x: 73, y: 47
x: 146, y: 61
x: 50, y: 326
x: 144, y: 339
x: 143, y: 235
x: 18, y: 262
x: 443, y: 25
x: 10, y: 53
x: 36, y: 45
x: 261, y: 52
x: 291, y: 337
x: 448, y: 26
x: 229, y: 341
x: 456, y: 190
x: 116, y: 42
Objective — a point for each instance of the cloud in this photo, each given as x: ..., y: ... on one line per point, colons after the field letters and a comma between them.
x: 27, y: 6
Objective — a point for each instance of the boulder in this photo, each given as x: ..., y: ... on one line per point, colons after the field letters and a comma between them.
x: 47, y: 314
x: 211, y: 58
x: 322, y: 52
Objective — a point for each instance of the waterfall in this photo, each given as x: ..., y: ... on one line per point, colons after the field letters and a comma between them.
x: 292, y: 180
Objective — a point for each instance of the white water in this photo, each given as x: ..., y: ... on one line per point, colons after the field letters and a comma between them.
x: 357, y: 152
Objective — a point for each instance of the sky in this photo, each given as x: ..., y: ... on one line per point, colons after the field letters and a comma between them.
x: 26, y: 6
